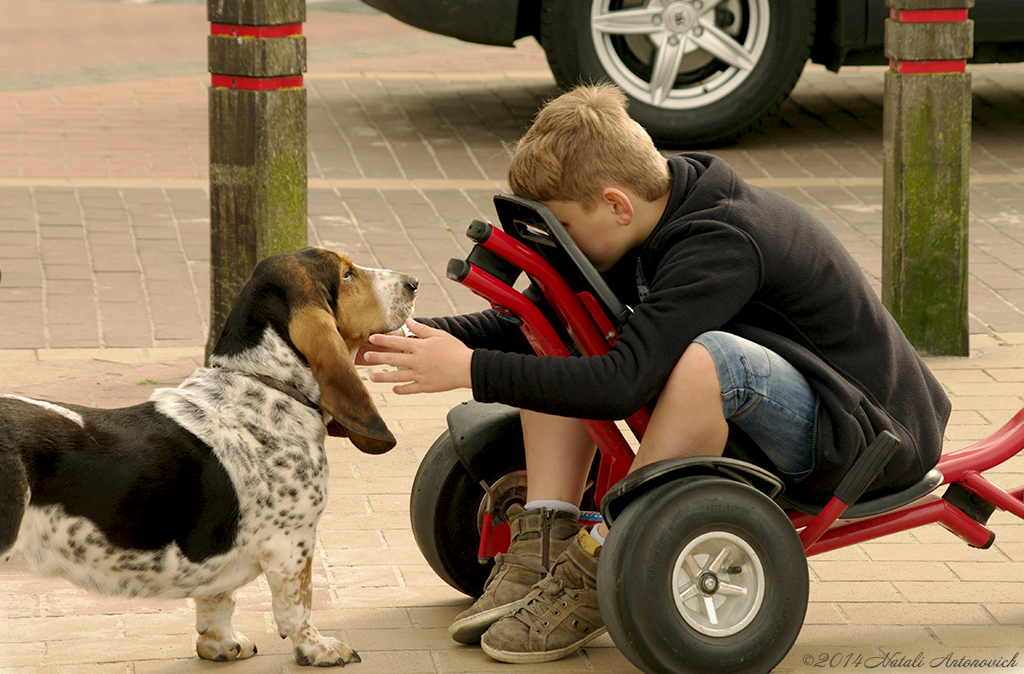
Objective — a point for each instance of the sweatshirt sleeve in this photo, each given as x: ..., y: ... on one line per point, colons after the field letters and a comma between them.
x: 707, y: 272
x: 485, y: 329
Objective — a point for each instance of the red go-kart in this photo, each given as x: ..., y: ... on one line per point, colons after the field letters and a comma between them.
x: 684, y: 585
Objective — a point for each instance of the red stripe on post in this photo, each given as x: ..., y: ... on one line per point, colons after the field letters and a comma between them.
x: 257, y: 83
x: 924, y: 67
x: 928, y: 15
x: 232, y: 30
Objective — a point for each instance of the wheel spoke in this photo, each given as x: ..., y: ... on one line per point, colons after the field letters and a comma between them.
x: 721, y: 45
x: 709, y: 606
x: 690, y: 592
x: 720, y: 559
x: 670, y: 52
x: 638, y: 21
x: 732, y: 589
x: 692, y: 567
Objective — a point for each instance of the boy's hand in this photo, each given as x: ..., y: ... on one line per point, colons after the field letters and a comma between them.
x: 435, y: 362
x: 360, y: 358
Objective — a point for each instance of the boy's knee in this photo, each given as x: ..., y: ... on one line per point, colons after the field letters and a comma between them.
x: 696, y: 368
x: 697, y: 362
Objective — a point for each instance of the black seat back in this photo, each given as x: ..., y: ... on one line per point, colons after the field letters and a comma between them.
x: 536, y: 227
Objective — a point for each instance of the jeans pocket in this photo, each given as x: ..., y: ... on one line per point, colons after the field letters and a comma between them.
x: 756, y: 364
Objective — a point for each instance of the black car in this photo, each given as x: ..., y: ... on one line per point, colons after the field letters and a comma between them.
x: 697, y: 72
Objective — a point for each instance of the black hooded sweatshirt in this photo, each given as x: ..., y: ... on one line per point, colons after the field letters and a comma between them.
x: 727, y: 255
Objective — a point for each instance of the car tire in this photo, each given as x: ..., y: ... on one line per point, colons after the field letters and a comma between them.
x: 709, y: 101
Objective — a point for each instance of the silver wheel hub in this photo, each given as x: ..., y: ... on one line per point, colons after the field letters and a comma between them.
x: 718, y: 583
x: 680, y: 17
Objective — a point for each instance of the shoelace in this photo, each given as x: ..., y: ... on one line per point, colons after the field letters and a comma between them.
x: 545, y: 599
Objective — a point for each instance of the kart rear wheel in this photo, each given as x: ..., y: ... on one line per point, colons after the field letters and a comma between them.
x: 447, y: 507
x: 703, y: 575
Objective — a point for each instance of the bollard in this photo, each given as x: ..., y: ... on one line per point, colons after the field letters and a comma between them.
x: 927, y: 138
x: 258, y: 174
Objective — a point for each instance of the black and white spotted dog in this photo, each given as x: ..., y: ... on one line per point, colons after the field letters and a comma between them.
x: 197, y: 491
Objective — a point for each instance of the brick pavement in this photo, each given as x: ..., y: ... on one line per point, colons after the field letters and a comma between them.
x: 103, y: 249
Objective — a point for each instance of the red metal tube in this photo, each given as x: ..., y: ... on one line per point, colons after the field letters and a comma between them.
x: 616, y: 453
x: 937, y: 511
x: 974, y: 482
x: 564, y: 301
x: 821, y: 522
x: 985, y: 454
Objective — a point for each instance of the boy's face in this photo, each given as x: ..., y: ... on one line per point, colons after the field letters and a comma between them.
x: 600, y: 234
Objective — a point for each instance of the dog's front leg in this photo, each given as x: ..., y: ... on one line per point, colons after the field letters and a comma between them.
x: 292, y: 590
x: 218, y: 640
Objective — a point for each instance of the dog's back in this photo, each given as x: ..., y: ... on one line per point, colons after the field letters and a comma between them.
x: 84, y: 486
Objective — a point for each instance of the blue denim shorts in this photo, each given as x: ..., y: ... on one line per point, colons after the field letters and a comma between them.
x: 768, y: 399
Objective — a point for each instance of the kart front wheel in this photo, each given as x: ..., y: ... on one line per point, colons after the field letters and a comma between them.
x: 703, y: 575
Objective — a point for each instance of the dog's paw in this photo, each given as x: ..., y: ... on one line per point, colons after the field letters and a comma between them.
x: 218, y: 647
x: 322, y: 651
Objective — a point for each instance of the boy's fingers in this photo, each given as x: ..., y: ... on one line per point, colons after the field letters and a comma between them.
x: 391, y: 376
x: 390, y: 341
x: 421, y: 330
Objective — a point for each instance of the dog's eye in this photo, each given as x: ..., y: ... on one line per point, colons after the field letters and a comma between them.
x: 350, y: 274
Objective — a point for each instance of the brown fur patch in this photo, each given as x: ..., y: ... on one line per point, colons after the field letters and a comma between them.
x: 343, y: 395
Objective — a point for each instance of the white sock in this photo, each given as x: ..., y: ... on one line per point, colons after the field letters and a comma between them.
x: 551, y: 504
x: 596, y: 535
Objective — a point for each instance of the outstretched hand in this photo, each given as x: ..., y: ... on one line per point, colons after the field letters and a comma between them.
x: 436, y: 361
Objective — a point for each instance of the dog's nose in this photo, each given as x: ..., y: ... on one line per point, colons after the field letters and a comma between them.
x: 412, y: 283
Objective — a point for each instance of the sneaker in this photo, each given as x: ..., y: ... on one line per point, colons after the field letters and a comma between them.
x: 538, y: 537
x: 560, y: 614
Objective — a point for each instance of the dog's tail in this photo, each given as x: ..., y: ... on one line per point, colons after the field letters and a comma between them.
x: 14, y: 496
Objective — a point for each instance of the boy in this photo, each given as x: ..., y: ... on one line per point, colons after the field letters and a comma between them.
x: 747, y: 311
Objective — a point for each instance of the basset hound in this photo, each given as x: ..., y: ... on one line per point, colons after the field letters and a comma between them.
x: 197, y: 491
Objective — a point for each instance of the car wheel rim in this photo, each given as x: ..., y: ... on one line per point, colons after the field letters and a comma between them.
x: 679, y: 54
x: 507, y: 489
x: 718, y: 583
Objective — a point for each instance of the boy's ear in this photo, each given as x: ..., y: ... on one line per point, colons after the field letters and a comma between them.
x: 620, y: 204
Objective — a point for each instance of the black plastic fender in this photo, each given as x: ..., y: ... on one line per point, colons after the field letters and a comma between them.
x: 476, y: 427
x: 644, y: 479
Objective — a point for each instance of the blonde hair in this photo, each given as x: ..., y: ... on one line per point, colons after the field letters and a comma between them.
x: 582, y: 142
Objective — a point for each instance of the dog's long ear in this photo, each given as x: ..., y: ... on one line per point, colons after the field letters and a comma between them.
x: 343, y: 395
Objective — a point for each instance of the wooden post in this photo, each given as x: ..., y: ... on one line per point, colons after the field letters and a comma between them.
x: 258, y: 175
x: 927, y: 140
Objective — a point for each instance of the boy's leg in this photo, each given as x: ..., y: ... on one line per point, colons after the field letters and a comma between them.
x: 688, y: 419
x: 768, y: 399
x: 560, y: 615
x: 559, y: 453
x: 719, y: 376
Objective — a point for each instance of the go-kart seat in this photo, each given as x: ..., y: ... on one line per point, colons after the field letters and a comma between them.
x: 742, y: 447
x: 876, y: 505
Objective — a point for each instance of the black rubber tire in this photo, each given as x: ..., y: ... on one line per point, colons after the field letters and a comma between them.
x: 443, y: 508
x: 565, y: 33
x: 640, y: 555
